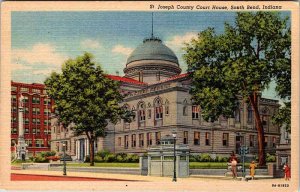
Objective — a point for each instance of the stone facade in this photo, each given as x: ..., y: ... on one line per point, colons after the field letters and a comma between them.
x: 162, y: 104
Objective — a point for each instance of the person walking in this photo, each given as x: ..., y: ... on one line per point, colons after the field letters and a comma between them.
x: 233, y: 163
x: 252, y: 167
x: 287, y: 172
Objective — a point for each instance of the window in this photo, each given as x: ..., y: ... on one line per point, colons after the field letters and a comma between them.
x: 24, y: 89
x: 195, y: 112
x: 250, y: 115
x: 28, y: 142
x: 14, y: 130
x: 196, y: 138
x: 207, y: 138
x: 13, y: 98
x: 14, y: 119
x: 185, y: 137
x: 46, y: 101
x: 39, y: 143
x: 13, y: 142
x: 27, y: 130
x: 225, y: 139
x: 149, y: 113
x: 13, y: 109
x: 141, y: 140
x: 26, y: 110
x: 266, y: 141
x: 251, y: 140
x: 274, y: 141
x: 133, y: 140
x: 38, y: 131
x: 45, y: 131
x: 26, y: 120
x: 167, y: 110
x: 36, y: 91
x: 47, y: 111
x: 36, y: 111
x: 47, y: 122
x: 141, y: 114
x: 119, y: 141
x: 126, y: 141
x: 35, y: 100
x: 34, y: 131
x: 25, y: 99
x: 158, y: 110
x: 157, y: 138
x: 149, y: 139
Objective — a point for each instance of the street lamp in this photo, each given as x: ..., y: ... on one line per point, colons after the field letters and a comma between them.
x: 65, y: 167
x: 174, y: 137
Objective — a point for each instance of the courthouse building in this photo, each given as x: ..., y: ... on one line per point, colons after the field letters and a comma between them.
x: 36, y: 116
x: 158, y: 93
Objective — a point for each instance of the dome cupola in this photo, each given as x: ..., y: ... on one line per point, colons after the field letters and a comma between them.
x: 152, y: 61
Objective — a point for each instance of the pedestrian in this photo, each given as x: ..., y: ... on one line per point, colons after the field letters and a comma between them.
x: 233, y: 163
x: 287, y: 172
x: 252, y: 167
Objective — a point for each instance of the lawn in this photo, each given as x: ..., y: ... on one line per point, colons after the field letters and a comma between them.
x: 125, y: 165
x: 193, y: 165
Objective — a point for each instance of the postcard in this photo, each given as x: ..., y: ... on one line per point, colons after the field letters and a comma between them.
x: 150, y: 96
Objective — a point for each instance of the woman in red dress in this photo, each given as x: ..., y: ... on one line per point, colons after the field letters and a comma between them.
x: 287, y: 172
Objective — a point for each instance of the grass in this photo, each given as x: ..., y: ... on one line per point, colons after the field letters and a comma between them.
x: 127, y: 165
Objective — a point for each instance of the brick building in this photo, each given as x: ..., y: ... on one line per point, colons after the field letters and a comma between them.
x: 36, y: 116
x: 159, y: 95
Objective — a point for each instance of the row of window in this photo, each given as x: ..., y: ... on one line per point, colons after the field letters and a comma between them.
x: 35, y: 111
x: 34, y: 121
x: 26, y: 89
x: 37, y: 131
x: 196, y: 139
x: 34, y: 100
x: 37, y: 143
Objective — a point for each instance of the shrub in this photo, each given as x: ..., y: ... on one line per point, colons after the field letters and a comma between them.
x: 53, y: 158
x: 205, y: 158
x: 98, y: 159
x: 131, y: 158
x: 110, y: 158
x: 192, y: 158
x: 103, y: 153
x: 270, y: 158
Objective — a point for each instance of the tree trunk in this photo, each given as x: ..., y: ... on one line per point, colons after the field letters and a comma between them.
x: 260, y: 131
x: 91, y: 142
x: 91, y: 139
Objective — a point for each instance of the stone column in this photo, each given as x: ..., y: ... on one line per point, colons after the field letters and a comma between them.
x: 21, y: 147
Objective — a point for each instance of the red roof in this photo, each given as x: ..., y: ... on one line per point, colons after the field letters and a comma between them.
x: 173, y: 78
x: 125, y: 79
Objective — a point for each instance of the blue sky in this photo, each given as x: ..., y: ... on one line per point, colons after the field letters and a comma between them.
x: 41, y: 41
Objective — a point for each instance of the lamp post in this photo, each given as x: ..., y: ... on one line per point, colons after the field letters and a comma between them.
x: 174, y: 137
x: 65, y: 167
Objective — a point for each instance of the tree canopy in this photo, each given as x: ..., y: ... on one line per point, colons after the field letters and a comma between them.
x: 239, y: 64
x: 85, y: 97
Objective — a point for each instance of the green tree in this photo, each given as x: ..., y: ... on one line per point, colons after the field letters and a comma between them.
x: 238, y: 65
x: 85, y: 97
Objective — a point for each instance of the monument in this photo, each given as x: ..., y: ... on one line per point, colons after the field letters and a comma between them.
x: 21, y: 146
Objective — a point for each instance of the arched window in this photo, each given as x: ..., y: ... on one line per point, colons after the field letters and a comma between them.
x: 265, y: 116
x: 158, y: 108
x: 185, y: 108
x: 141, y: 114
x: 158, y: 111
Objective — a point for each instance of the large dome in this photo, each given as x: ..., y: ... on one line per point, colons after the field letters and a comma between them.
x: 152, y: 49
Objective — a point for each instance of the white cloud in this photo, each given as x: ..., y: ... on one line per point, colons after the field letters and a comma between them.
x: 40, y: 53
x: 90, y: 44
x: 42, y: 72
x: 178, y: 41
x: 121, y: 49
